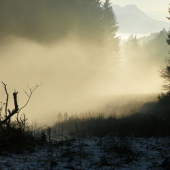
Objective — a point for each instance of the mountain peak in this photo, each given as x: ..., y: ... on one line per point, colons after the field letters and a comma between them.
x: 134, y: 20
x: 131, y: 5
x: 116, y: 7
x: 130, y: 9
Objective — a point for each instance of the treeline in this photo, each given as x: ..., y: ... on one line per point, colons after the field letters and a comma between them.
x: 143, y: 57
x: 48, y: 21
x: 89, y: 23
x: 90, y: 20
x: 149, y: 50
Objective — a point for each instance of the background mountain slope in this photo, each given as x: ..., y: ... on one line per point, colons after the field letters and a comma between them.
x: 134, y: 21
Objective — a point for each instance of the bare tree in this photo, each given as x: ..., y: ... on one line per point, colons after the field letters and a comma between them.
x: 16, y: 110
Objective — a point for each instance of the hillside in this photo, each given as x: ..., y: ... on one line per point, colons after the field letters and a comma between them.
x: 134, y: 21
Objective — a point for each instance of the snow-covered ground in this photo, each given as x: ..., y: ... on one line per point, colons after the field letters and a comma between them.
x: 111, y: 153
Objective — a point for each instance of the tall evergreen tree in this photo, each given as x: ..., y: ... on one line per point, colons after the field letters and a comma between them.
x: 132, y: 53
x: 110, y: 28
x: 89, y: 14
x: 131, y: 45
x: 157, y: 47
x: 164, y: 98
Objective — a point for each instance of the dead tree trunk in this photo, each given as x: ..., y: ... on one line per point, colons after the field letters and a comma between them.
x: 14, y: 111
x: 8, y: 113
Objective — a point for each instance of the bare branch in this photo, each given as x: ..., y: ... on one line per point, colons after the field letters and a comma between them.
x: 16, y: 109
x: 29, y: 95
x: 26, y: 93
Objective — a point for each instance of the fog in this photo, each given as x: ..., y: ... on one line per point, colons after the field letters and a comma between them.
x: 73, y: 72
x: 69, y: 73
x: 73, y: 78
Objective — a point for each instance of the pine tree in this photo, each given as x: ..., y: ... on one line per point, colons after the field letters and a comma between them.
x: 132, y: 45
x: 88, y: 19
x: 132, y: 53
x: 110, y: 28
x: 164, y: 98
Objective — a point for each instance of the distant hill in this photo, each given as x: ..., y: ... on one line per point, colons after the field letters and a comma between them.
x: 132, y: 20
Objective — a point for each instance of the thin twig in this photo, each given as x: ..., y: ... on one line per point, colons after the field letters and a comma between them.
x: 29, y: 95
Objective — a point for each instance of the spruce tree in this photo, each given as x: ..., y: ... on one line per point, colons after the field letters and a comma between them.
x: 132, y: 45
x: 110, y: 28
x: 164, y: 98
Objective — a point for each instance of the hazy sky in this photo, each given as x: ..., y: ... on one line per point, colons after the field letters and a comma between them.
x: 157, y: 9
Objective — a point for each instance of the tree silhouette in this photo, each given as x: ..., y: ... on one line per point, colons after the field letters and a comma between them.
x: 8, y: 113
x: 164, y: 98
x: 165, y: 71
x: 165, y: 74
x: 131, y: 45
x: 110, y: 28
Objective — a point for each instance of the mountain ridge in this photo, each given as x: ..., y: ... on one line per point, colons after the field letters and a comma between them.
x: 134, y: 21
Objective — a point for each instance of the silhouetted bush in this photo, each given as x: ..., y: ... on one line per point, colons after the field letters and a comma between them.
x: 16, y: 136
x: 164, y: 99
x: 17, y: 140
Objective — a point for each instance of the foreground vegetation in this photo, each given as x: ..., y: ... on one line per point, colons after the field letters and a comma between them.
x: 16, y: 135
x: 133, y: 119
x: 152, y: 123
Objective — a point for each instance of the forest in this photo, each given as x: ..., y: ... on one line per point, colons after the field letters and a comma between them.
x: 98, y: 102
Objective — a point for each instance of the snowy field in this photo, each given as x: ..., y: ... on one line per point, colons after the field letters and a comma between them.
x: 107, y: 153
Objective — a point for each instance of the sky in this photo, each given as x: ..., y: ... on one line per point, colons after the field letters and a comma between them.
x: 157, y: 9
